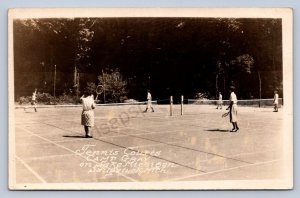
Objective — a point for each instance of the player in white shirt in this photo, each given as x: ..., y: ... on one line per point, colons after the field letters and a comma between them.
x: 220, y: 102
x: 275, y: 101
x: 149, y: 103
x: 233, y: 109
x: 33, y: 100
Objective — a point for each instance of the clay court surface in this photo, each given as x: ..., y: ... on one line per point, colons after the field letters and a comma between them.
x: 130, y: 146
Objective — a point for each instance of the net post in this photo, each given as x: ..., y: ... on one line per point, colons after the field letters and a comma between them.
x: 171, y: 105
x: 181, y: 104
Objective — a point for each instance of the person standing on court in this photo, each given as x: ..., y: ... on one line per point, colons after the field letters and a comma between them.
x: 275, y: 101
x: 233, y: 109
x: 33, y: 100
x: 87, y: 115
x: 220, y: 102
x: 149, y: 103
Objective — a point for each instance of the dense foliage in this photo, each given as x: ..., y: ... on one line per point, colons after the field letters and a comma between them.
x: 171, y: 56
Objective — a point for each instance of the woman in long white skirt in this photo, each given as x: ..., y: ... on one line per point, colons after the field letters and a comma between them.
x: 233, y: 110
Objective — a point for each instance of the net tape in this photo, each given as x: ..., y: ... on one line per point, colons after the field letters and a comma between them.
x: 251, y: 102
x: 80, y: 105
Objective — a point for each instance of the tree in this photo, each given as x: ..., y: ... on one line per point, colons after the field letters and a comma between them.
x: 182, y: 55
x: 59, y: 42
x: 114, y: 87
x: 90, y: 87
x: 243, y: 63
x: 241, y: 68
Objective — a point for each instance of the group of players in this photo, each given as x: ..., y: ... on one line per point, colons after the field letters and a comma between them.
x: 88, y: 104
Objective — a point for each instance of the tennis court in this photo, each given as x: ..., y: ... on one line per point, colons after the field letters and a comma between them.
x: 130, y: 146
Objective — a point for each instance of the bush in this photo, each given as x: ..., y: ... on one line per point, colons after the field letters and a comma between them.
x: 24, y: 100
x: 48, y: 99
x: 67, y: 99
x: 114, y: 85
x: 44, y: 98
x: 90, y: 87
x: 202, y: 96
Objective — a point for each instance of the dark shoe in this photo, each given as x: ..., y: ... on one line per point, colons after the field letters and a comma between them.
x: 233, y: 130
x: 88, y: 136
x: 236, y: 129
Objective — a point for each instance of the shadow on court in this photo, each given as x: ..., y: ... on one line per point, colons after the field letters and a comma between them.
x: 74, y: 136
x: 218, y: 130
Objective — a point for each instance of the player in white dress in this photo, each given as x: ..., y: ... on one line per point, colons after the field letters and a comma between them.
x: 233, y: 110
x: 87, y: 115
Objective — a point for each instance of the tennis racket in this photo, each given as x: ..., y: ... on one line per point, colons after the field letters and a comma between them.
x: 225, y: 114
x: 99, y: 90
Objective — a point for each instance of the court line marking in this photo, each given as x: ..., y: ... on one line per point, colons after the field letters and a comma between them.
x: 84, y: 139
x: 148, y: 132
x: 139, y: 137
x: 187, y: 148
x: 160, y: 123
x: 171, y: 161
x: 144, y: 146
x: 175, y: 145
x: 66, y: 141
x: 73, y: 152
x: 50, y: 156
x: 225, y: 170
x: 174, y: 131
x: 130, y: 148
x: 30, y: 169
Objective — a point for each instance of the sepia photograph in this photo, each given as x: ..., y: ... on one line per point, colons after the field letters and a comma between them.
x: 150, y: 98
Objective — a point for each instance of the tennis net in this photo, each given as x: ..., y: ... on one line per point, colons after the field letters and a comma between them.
x: 250, y: 102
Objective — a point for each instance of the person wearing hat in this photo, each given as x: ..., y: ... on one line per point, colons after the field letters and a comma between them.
x: 233, y: 109
x: 149, y: 104
x: 87, y: 115
x: 275, y: 101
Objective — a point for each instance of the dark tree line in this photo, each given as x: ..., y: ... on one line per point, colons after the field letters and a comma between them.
x: 171, y: 56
